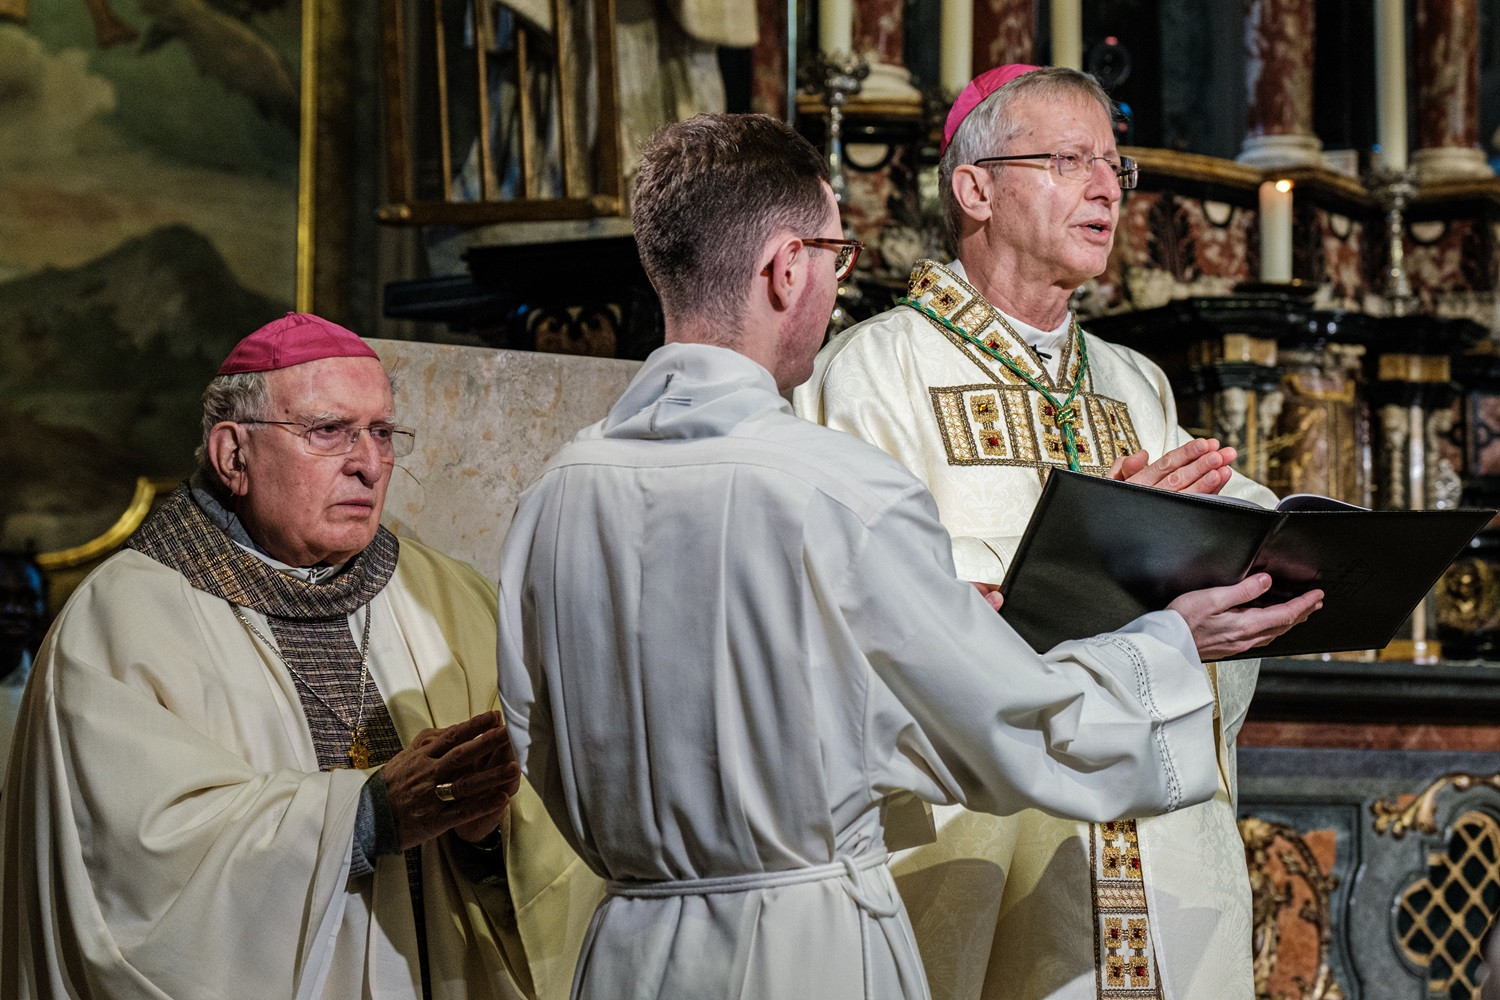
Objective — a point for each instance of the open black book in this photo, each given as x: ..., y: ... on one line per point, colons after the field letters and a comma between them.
x: 1099, y: 553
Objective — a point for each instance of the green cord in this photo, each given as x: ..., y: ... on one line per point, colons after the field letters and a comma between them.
x: 1064, y: 413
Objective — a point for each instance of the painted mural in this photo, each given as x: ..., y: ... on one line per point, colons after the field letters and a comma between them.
x: 148, y: 215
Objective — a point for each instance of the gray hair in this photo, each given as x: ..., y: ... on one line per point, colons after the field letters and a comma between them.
x: 989, y: 129
x: 241, y: 396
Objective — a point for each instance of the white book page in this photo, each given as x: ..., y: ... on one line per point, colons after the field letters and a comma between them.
x: 1312, y: 501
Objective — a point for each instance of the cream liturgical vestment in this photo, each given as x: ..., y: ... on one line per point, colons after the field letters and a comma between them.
x: 168, y: 832
x: 1030, y: 906
x: 727, y: 634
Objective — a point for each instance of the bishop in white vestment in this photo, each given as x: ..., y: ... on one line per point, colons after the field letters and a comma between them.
x: 981, y: 406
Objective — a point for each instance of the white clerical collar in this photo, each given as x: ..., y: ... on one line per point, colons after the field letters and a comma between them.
x: 307, y: 574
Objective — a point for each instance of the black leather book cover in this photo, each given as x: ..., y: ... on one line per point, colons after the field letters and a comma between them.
x: 1099, y: 553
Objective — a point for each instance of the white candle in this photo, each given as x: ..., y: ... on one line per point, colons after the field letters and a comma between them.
x: 1276, y: 231
x: 1390, y: 81
x: 1067, y: 33
x: 956, y: 50
x: 836, y: 26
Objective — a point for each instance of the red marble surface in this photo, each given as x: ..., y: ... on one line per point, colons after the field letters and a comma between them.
x: 1368, y: 736
x: 867, y: 211
x: 1447, y: 43
x: 1343, y: 241
x: 878, y: 30
x: 1170, y: 233
x: 1461, y: 259
x: 1004, y: 32
x: 768, y: 78
x: 1278, y: 67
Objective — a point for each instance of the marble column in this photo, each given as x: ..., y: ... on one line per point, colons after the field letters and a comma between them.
x: 1279, y: 85
x: 1004, y: 32
x: 1447, y: 41
x: 768, y: 59
x: 879, y: 32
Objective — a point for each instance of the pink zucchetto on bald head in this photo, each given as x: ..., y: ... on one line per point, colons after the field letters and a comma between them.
x: 292, y: 340
x: 979, y: 88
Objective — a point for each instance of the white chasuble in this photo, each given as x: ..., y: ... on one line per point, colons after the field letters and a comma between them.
x: 1030, y: 906
x: 168, y: 832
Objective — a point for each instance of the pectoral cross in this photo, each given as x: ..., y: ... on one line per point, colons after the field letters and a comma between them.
x: 359, y: 750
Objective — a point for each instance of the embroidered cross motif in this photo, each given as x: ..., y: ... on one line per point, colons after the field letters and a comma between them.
x: 1125, y: 955
x: 922, y: 279
x: 943, y: 301
x: 985, y: 409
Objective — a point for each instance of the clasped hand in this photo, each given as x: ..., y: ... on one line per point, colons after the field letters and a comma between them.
x: 476, y: 758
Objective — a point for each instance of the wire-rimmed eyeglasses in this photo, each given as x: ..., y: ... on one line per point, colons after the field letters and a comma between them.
x: 338, y: 437
x: 1077, y: 166
x: 848, y: 253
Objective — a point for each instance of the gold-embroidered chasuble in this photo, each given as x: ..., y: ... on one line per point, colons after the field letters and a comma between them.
x: 1004, y: 421
x: 999, y: 419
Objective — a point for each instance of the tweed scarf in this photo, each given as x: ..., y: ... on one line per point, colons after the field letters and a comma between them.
x: 310, y: 623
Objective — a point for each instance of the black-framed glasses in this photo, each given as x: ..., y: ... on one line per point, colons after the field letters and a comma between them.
x: 338, y: 437
x: 848, y: 253
x: 1078, y: 167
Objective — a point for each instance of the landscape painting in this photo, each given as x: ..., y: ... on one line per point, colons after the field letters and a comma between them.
x: 148, y: 220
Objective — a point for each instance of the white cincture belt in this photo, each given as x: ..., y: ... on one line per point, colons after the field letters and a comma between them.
x: 844, y: 868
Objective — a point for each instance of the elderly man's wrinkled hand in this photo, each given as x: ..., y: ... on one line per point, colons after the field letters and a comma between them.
x: 1221, y: 627
x: 1200, y: 466
x: 457, y: 778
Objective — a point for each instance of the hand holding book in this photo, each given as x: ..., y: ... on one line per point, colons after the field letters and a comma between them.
x: 1226, y: 621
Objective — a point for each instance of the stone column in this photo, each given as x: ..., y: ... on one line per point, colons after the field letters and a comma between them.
x: 879, y: 32
x: 1004, y: 32
x: 1447, y: 41
x: 1279, y: 85
x: 768, y: 75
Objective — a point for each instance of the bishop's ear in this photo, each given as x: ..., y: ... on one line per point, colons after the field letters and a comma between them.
x: 226, y: 453
x: 973, y: 189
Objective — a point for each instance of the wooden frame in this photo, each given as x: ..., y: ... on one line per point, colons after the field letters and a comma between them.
x: 578, y: 202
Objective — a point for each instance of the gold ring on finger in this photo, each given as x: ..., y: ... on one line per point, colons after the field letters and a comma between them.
x: 444, y: 791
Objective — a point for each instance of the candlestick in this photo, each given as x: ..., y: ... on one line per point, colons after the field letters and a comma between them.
x: 1394, y: 190
x: 1390, y: 82
x: 956, y: 51
x: 1276, y: 231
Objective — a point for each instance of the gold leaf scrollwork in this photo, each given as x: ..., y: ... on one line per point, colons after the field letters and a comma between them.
x: 1420, y: 813
x: 1280, y: 859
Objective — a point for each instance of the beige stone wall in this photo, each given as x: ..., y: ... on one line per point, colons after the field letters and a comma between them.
x: 487, y: 421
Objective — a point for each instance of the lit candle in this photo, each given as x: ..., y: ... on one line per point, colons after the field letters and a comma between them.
x: 1067, y: 33
x: 956, y: 49
x: 836, y: 26
x: 1276, y: 231
x: 1390, y: 82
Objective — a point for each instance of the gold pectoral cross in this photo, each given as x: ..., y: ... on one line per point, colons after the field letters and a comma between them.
x: 359, y: 750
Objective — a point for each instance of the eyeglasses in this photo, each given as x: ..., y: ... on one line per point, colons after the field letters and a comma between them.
x: 1076, y: 166
x: 848, y: 253
x: 337, y: 437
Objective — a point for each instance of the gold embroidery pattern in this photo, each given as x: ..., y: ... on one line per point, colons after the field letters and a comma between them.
x: 1124, y: 956
x: 1025, y: 432
x: 984, y: 408
x: 1010, y: 425
x: 943, y: 300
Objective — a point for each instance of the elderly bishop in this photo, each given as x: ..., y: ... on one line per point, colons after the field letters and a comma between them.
x: 981, y: 382
x: 259, y: 753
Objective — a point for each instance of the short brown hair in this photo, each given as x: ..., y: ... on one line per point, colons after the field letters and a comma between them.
x: 711, y: 191
x: 990, y: 127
